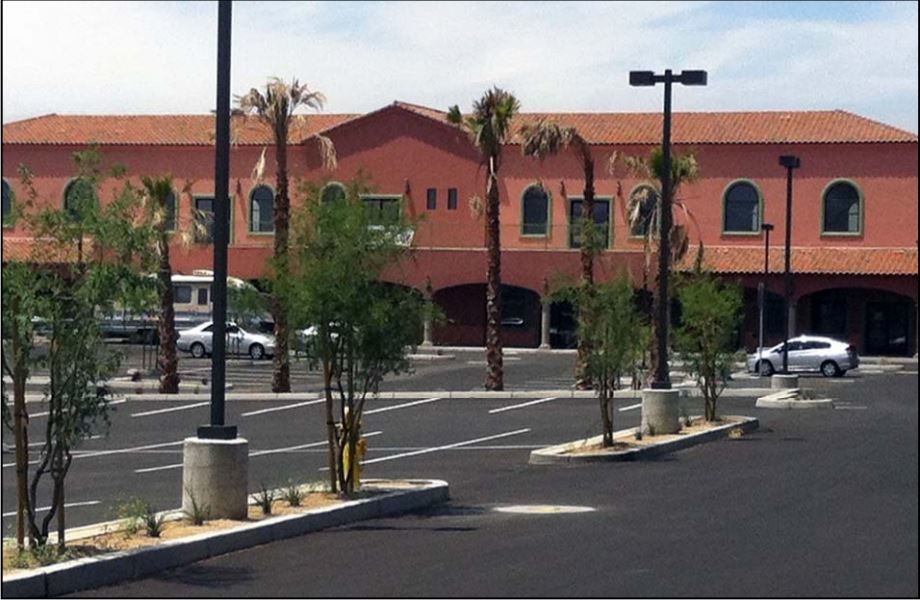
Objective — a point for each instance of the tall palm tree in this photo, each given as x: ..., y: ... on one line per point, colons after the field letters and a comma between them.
x: 489, y: 128
x: 539, y: 141
x: 275, y: 107
x: 158, y: 190
x: 643, y: 215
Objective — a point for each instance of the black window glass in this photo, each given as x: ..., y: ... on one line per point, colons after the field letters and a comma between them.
x: 79, y: 197
x: 452, y: 199
x: 381, y: 210
x: 333, y: 192
x: 182, y: 294
x: 742, y: 208
x: 535, y: 211
x: 601, y: 222
x: 641, y: 210
x: 841, y: 209
x: 7, y: 202
x: 169, y: 219
x: 204, y: 220
x: 202, y: 296
x: 432, y: 202
x: 262, y: 210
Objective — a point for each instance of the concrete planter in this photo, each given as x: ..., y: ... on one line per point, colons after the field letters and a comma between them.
x: 660, y: 411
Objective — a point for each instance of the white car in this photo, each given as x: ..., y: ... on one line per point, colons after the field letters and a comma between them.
x: 197, y: 341
x: 830, y: 357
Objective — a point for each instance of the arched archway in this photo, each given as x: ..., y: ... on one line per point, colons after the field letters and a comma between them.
x: 463, y: 309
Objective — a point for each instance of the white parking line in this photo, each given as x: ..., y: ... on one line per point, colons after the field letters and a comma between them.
x: 631, y: 407
x: 447, y: 447
x: 93, y: 453
x: 513, y: 406
x: 66, y: 505
x: 46, y: 413
x: 173, y: 409
x: 397, y: 406
x: 852, y: 407
x: 277, y: 408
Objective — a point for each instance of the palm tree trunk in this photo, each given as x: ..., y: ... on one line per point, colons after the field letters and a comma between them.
x: 494, y: 370
x: 588, y: 248
x: 281, y: 376
x: 21, y: 434
x: 168, y: 360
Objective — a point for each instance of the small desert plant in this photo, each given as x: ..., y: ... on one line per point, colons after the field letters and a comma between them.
x: 46, y: 554
x: 199, y: 514
x: 293, y: 495
x: 638, y: 433
x: 132, y: 510
x: 153, y: 522
x: 264, y: 499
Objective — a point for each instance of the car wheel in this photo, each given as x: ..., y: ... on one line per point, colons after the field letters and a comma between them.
x: 197, y: 350
x: 765, y: 368
x: 830, y: 369
x: 256, y: 352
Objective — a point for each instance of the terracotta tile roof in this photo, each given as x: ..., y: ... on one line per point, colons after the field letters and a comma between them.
x: 38, y: 251
x: 778, y: 127
x: 826, y: 261
x: 157, y: 130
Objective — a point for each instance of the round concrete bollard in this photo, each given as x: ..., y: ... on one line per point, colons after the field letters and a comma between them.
x: 660, y: 411
x: 216, y: 474
x: 784, y: 382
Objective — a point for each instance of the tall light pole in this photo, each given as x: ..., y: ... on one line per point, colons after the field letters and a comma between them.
x: 791, y: 163
x: 661, y: 378
x: 762, y: 291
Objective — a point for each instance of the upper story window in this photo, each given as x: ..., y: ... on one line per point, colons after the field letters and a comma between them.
x: 432, y: 200
x: 381, y: 210
x: 79, y: 196
x: 642, y: 203
x: 742, y: 208
x: 842, y: 208
x: 452, y: 199
x: 7, y: 203
x: 535, y: 211
x: 169, y: 219
x: 261, y: 210
x: 601, y: 222
x: 204, y: 219
x: 333, y: 192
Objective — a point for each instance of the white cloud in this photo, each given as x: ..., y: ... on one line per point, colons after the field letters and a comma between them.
x: 76, y: 57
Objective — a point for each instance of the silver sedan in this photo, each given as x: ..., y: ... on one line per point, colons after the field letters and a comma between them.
x: 197, y: 341
x: 830, y: 357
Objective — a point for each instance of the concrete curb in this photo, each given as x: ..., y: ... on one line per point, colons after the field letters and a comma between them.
x: 112, y: 568
x: 556, y: 454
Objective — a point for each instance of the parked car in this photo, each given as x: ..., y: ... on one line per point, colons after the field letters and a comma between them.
x: 830, y: 357
x: 197, y: 341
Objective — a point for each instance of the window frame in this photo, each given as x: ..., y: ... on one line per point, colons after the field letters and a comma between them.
x: 656, y: 224
x: 398, y: 198
x: 252, y: 230
x: 70, y: 183
x: 452, y: 198
x: 8, y: 221
x: 175, y: 227
x: 195, y: 198
x: 760, y: 202
x: 597, y: 198
x: 861, y: 212
x: 331, y: 184
x: 549, y: 212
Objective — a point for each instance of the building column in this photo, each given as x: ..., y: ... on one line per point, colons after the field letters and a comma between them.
x: 427, y: 341
x: 544, y: 325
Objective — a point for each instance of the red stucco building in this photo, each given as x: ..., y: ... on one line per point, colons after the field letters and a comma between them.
x: 854, y: 233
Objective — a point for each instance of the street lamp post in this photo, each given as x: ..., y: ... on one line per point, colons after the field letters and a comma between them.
x: 661, y: 378
x: 762, y: 292
x: 791, y: 163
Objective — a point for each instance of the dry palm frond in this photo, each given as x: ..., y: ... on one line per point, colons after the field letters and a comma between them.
x: 258, y: 171
x: 327, y: 151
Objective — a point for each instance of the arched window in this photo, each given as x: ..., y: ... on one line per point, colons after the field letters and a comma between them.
x: 333, y: 192
x: 842, y: 208
x: 535, y: 211
x: 7, y: 203
x: 642, y: 202
x: 742, y: 208
x: 261, y: 210
x: 79, y: 196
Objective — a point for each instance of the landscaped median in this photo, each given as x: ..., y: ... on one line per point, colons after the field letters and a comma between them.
x: 626, y: 446
x: 377, y: 498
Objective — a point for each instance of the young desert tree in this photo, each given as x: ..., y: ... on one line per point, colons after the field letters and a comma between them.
x: 489, y: 128
x: 711, y: 315
x: 275, y: 107
x: 363, y: 328
x: 97, y: 250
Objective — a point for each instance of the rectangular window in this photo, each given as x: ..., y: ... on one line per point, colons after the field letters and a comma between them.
x: 381, y: 210
x: 452, y: 199
x: 169, y: 219
x: 204, y: 221
x: 182, y: 294
x: 432, y: 203
x: 202, y: 296
x: 601, y: 222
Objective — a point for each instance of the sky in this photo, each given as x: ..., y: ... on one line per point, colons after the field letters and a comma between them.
x: 160, y: 57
